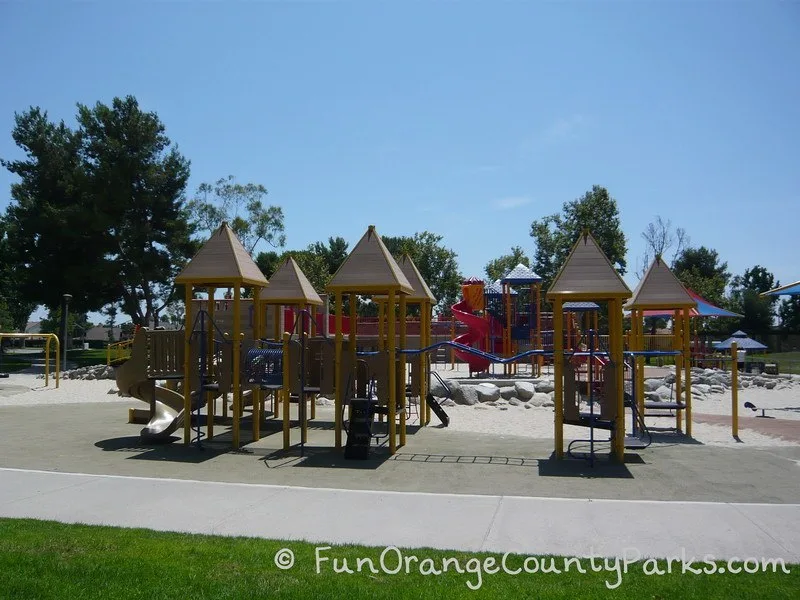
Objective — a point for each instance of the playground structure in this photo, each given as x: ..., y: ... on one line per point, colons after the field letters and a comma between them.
x: 224, y: 349
x: 658, y: 290
x: 499, y: 319
x: 48, y: 337
x: 370, y: 270
x: 302, y: 360
x: 588, y: 276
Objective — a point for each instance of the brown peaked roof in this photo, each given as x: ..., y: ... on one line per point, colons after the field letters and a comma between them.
x: 289, y: 285
x: 222, y: 260
x: 421, y: 289
x: 659, y: 288
x: 370, y: 269
x: 588, y: 274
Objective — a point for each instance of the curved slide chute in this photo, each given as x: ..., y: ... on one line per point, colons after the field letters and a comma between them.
x: 477, y: 329
x: 132, y: 381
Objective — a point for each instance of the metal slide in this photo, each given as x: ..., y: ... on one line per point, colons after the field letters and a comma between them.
x: 132, y: 381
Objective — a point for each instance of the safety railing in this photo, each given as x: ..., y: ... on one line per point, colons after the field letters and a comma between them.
x: 48, y: 337
x: 118, y: 351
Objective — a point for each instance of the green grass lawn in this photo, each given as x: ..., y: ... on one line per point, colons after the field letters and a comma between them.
x: 40, y: 559
x: 86, y: 358
x: 788, y: 362
x: 13, y: 363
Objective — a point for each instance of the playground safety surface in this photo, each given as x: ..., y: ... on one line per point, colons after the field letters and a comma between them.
x: 94, y: 438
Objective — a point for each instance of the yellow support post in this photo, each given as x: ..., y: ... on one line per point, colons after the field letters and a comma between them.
x: 337, y: 373
x: 687, y: 362
x: 391, y: 347
x: 558, y: 367
x: 286, y: 391
x: 317, y: 334
x: 277, y: 336
x: 615, y: 309
x: 301, y: 397
x: 637, y: 318
x: 424, y: 310
x: 734, y: 391
x: 381, y: 319
x: 257, y: 391
x: 187, y: 365
x: 402, y: 383
x: 236, y: 389
x: 352, y: 335
x: 46, y: 360
x: 539, y: 343
x: 507, y: 332
x: 677, y: 344
x: 210, y: 398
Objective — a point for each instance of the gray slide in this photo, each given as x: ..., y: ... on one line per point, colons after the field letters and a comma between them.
x: 132, y: 382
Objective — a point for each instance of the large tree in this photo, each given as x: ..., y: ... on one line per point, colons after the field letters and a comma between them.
x: 333, y: 253
x: 555, y: 234
x: 14, y: 309
x: 436, y: 263
x: 242, y: 207
x: 789, y: 314
x: 99, y: 212
x: 758, y: 311
x: 701, y: 270
x: 499, y: 267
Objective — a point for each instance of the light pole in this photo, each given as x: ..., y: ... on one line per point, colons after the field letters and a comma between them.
x: 64, y: 310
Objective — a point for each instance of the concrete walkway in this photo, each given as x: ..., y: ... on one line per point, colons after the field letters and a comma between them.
x: 470, y: 523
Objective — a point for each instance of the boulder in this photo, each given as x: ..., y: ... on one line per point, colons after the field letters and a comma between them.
x: 545, y: 387
x: 515, y: 402
x: 447, y: 402
x: 770, y: 384
x: 651, y: 385
x: 669, y: 378
x: 527, y: 405
x: 487, y: 392
x: 664, y: 392
x: 438, y: 390
x: 524, y: 390
x: 507, y: 392
x: 466, y: 395
x: 540, y: 399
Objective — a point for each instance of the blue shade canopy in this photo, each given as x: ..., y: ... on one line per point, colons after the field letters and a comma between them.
x: 704, y: 308
x: 495, y: 289
x: 743, y: 343
x: 520, y: 275
x: 580, y: 306
x: 793, y: 289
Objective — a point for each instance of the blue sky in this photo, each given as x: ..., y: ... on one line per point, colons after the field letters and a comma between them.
x: 468, y: 119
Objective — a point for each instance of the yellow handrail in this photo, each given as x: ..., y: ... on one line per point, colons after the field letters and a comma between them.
x: 119, y: 350
x: 47, y: 337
